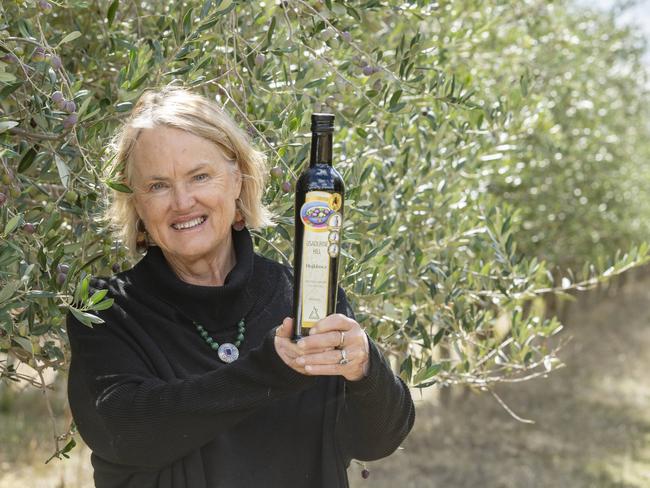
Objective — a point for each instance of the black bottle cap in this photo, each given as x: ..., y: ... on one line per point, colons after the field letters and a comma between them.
x: 322, y: 122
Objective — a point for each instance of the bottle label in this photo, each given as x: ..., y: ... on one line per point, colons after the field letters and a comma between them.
x: 323, y: 223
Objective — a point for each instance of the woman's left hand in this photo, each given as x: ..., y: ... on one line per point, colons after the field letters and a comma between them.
x: 336, y: 345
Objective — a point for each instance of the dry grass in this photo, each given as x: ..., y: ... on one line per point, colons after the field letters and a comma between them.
x: 27, y: 442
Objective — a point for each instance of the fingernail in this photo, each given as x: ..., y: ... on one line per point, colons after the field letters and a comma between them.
x: 300, y: 360
x: 301, y: 344
x: 307, y: 368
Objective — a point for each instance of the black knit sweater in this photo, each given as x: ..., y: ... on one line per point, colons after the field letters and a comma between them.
x: 159, y: 409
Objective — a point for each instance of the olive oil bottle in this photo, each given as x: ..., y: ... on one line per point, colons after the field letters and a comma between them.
x: 319, y: 201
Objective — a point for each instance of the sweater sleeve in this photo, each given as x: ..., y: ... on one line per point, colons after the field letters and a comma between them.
x: 129, y: 416
x: 377, y: 412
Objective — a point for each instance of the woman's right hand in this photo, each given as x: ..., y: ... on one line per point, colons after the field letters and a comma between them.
x: 288, y: 350
x: 321, y: 353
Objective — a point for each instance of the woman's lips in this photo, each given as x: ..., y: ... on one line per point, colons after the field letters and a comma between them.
x: 190, y: 224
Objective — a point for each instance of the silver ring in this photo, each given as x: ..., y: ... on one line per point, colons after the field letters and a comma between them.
x: 340, y: 346
x: 344, y: 357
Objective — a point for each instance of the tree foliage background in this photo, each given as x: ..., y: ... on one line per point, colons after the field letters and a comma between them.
x: 495, y: 153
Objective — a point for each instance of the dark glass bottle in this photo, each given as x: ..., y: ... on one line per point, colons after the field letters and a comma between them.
x: 320, y: 194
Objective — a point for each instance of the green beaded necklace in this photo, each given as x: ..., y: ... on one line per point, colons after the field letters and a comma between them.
x: 227, y: 352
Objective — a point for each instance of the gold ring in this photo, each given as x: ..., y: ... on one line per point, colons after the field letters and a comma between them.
x: 344, y: 357
x: 340, y: 346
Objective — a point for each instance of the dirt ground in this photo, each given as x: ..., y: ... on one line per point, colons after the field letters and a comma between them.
x: 592, y: 421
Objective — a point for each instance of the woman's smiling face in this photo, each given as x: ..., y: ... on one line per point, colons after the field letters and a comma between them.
x: 184, y: 192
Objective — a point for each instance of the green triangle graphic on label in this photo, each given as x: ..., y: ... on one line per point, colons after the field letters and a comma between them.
x: 314, y: 314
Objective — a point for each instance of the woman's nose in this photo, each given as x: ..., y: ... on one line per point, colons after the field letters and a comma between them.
x: 183, y: 198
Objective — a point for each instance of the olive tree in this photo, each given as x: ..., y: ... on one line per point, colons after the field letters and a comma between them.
x: 493, y: 154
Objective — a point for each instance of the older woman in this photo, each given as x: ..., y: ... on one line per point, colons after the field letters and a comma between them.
x: 155, y: 393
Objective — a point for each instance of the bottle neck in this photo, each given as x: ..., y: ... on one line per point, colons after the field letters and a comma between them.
x: 321, y: 148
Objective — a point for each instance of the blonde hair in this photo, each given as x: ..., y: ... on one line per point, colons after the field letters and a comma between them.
x: 180, y: 109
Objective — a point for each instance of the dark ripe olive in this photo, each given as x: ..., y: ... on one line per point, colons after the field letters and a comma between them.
x: 70, y: 121
x: 55, y: 61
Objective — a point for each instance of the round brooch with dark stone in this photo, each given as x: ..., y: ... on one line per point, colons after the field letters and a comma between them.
x: 228, y: 352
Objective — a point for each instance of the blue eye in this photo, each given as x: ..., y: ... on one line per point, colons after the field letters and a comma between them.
x: 157, y: 186
x: 201, y: 177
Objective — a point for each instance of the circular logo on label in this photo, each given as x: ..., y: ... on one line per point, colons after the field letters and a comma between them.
x: 333, y: 236
x: 334, y: 221
x: 335, y: 201
x: 315, y: 214
x: 333, y: 250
